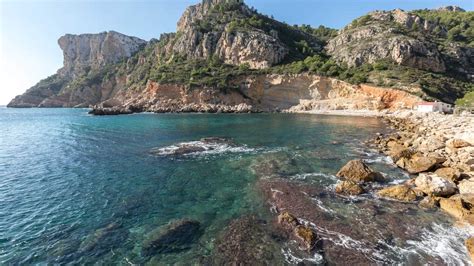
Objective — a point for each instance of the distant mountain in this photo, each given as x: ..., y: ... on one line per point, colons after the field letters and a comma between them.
x: 225, y: 56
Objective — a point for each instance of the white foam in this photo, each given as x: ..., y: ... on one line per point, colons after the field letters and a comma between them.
x: 446, y: 242
x: 306, y: 176
x: 293, y: 259
x: 208, y: 148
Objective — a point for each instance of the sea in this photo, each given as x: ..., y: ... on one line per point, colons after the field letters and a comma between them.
x: 82, y: 189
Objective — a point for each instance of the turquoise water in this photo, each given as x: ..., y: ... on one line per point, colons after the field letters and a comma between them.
x: 66, y: 175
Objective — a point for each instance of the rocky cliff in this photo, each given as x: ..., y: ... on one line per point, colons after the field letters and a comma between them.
x: 227, y: 57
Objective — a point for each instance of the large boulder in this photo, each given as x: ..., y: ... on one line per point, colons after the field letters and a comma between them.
x: 466, y: 186
x: 176, y: 236
x: 417, y: 163
x: 349, y: 187
x: 460, y: 206
x: 358, y: 171
x: 434, y: 185
x: 398, y: 192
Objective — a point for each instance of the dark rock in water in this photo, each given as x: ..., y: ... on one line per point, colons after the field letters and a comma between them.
x: 110, y: 111
x: 215, y: 140
x: 103, y: 239
x: 176, y: 236
x: 368, y: 227
x: 247, y: 241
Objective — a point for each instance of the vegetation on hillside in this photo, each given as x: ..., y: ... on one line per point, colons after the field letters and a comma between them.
x: 467, y: 100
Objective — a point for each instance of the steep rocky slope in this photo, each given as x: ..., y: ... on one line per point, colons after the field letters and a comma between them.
x: 225, y: 56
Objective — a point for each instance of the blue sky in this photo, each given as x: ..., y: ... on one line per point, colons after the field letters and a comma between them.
x: 29, y: 29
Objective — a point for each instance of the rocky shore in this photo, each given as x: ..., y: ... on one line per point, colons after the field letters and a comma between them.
x: 438, y: 152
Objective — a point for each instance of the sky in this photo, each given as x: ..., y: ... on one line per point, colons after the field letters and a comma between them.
x: 29, y: 29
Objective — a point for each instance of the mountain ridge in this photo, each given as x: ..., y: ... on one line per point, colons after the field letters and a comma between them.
x: 219, y: 44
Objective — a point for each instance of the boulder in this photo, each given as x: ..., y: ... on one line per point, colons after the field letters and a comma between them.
x: 466, y: 186
x: 357, y: 171
x: 398, y: 151
x: 417, y: 163
x: 398, y: 192
x: 349, y: 188
x: 470, y: 247
x: 460, y: 206
x: 457, y: 143
x: 448, y: 173
x: 434, y: 185
x: 176, y: 236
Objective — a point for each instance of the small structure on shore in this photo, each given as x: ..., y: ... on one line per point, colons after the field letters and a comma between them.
x: 428, y: 107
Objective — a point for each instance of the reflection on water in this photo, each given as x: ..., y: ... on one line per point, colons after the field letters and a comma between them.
x: 81, y: 189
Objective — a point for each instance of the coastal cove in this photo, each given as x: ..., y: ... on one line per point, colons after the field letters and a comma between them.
x: 83, y: 189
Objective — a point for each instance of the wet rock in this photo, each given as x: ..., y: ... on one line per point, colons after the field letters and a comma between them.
x: 349, y: 188
x: 215, y: 140
x: 358, y: 171
x: 287, y: 220
x: 247, y: 241
x: 470, y: 247
x: 417, y: 163
x: 398, y: 192
x: 302, y: 233
x: 460, y: 206
x: 306, y: 236
x: 448, y: 173
x: 466, y: 186
x: 176, y: 236
x: 429, y: 202
x: 434, y: 185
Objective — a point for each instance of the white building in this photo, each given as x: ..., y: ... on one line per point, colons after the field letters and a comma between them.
x: 427, y: 107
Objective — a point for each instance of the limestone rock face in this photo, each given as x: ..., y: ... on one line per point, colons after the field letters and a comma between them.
x: 398, y: 192
x: 91, y: 51
x: 252, y: 46
x: 417, y: 163
x: 470, y: 247
x: 434, y: 185
x: 448, y: 173
x: 375, y: 40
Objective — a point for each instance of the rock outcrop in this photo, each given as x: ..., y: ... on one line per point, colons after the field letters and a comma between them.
x: 398, y: 192
x: 86, y: 52
x: 357, y: 171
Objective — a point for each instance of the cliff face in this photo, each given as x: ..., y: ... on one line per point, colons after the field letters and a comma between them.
x: 224, y: 53
x: 84, y: 55
x: 267, y: 93
x: 86, y: 52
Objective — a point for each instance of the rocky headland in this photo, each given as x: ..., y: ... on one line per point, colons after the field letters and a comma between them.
x: 226, y: 57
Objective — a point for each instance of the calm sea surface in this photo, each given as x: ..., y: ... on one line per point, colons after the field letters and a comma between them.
x: 66, y: 175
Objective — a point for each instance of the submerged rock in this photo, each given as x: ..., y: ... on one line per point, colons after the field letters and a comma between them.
x: 102, y: 239
x: 398, y: 192
x: 358, y: 171
x: 434, y: 185
x: 460, y: 206
x: 349, y: 188
x: 176, y: 236
x: 302, y: 233
x: 246, y: 241
x: 186, y: 148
